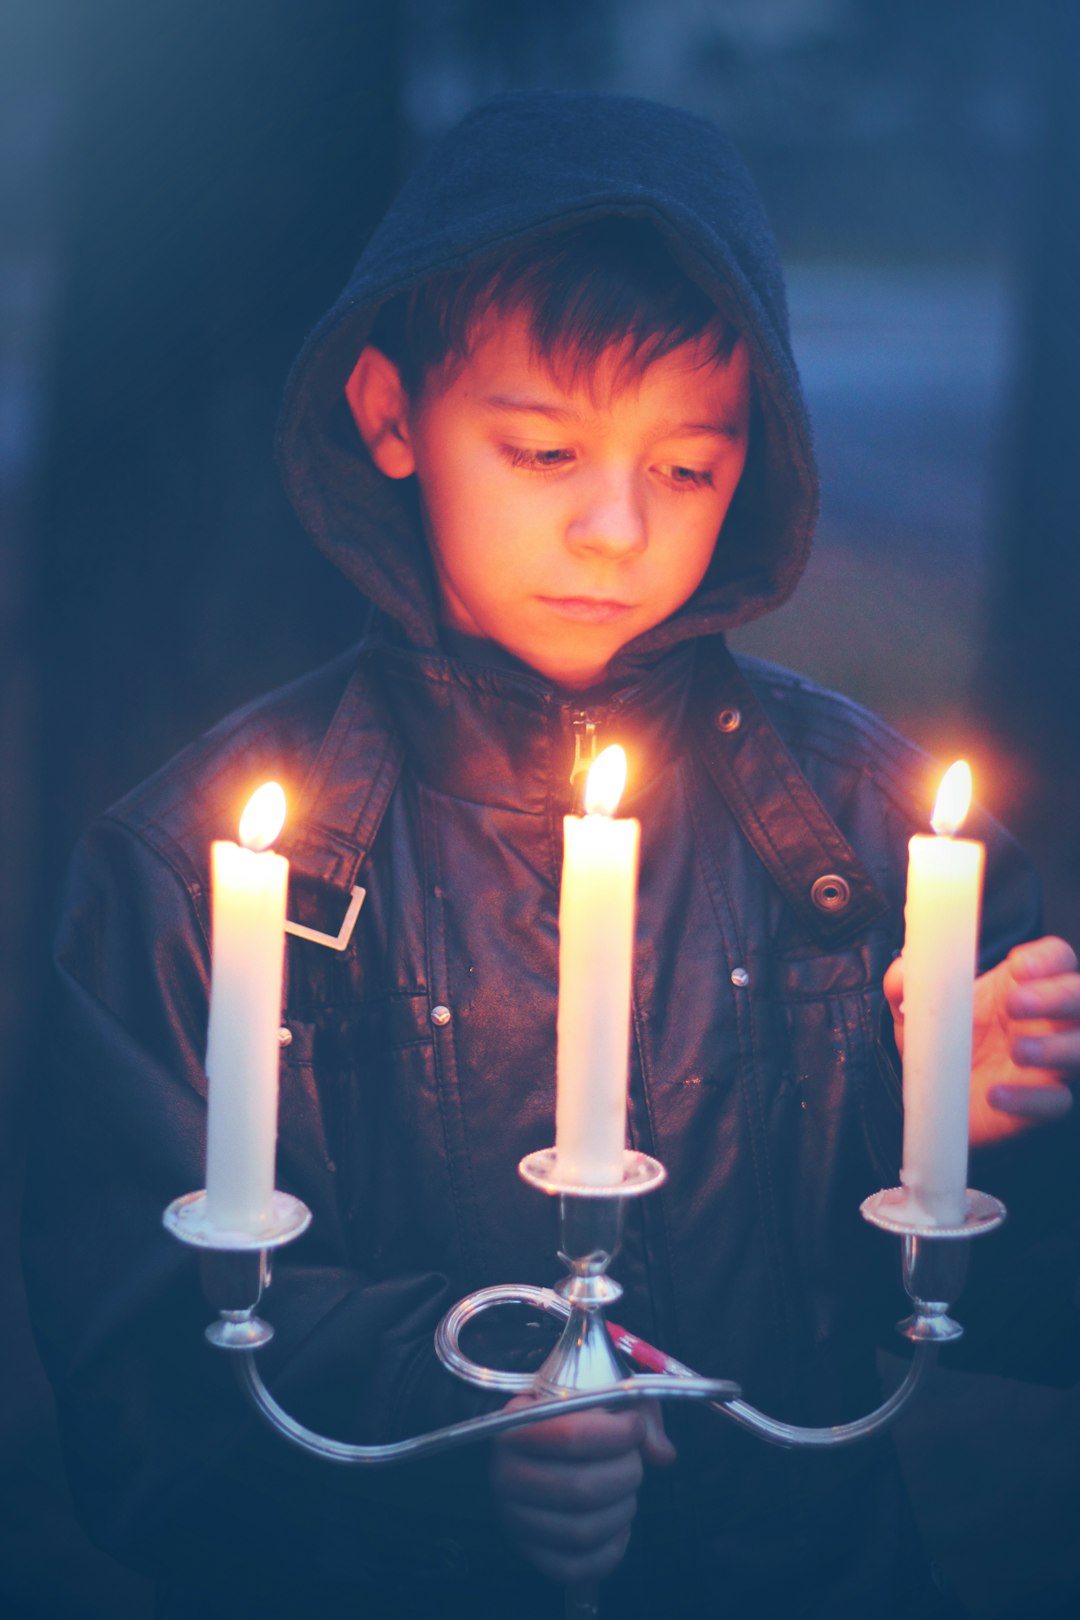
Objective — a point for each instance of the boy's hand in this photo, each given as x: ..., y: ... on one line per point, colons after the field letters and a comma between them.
x: 566, y: 1489
x: 1026, y: 1038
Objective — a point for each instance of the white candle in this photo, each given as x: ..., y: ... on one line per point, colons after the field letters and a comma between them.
x: 596, y: 947
x: 243, y: 1050
x: 940, y: 953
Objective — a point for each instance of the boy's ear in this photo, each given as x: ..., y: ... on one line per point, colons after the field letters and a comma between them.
x: 380, y: 408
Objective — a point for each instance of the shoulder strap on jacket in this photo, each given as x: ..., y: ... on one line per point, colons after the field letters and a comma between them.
x: 807, y: 856
x: 347, y: 790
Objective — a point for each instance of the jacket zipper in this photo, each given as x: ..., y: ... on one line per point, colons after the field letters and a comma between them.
x: 586, y: 727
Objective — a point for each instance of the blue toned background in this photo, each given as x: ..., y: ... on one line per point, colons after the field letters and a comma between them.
x: 183, y: 188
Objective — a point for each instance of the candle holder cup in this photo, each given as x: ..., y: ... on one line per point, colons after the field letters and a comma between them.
x: 235, y: 1267
x: 933, y: 1259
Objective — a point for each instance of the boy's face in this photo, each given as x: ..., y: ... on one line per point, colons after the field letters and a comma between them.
x: 567, y: 517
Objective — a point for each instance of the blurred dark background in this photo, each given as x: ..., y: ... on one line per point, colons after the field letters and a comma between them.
x: 184, y: 187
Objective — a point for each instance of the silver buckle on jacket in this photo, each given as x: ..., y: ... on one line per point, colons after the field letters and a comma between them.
x: 333, y: 942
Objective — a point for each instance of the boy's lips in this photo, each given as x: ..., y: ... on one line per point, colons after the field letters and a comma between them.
x: 587, y: 609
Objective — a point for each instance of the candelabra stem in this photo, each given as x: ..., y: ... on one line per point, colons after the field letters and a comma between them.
x: 582, y: 1602
x: 585, y: 1358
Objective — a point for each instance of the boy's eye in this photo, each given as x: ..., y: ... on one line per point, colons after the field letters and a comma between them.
x: 688, y: 477
x: 538, y: 460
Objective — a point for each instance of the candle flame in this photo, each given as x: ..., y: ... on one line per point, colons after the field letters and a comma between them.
x: 263, y: 817
x: 605, y: 782
x: 953, y: 800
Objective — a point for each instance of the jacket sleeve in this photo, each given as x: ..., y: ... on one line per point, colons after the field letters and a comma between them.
x: 1020, y: 1305
x: 152, y: 1422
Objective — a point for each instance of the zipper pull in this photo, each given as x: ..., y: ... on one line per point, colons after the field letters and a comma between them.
x: 585, y: 729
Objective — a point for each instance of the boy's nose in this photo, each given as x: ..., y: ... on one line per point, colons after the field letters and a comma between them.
x: 610, y: 520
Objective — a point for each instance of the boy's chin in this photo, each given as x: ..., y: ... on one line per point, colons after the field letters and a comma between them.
x: 572, y: 676
x: 572, y: 673
x: 570, y: 663
x: 560, y: 666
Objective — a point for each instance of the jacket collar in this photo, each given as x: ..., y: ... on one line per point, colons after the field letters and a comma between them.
x: 505, y: 738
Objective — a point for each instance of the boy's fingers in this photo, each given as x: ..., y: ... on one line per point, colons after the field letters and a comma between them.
x: 657, y: 1449
x: 587, y: 1436
x: 570, y: 1487
x: 572, y: 1532
x: 574, y: 1569
x: 1031, y: 1102
x: 893, y: 985
x: 1041, y: 958
x: 1050, y: 1049
x: 567, y: 1488
x: 1055, y: 996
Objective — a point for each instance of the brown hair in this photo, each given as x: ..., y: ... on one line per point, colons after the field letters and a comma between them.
x: 585, y: 289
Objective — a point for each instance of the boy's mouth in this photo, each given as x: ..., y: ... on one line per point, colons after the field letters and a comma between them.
x: 587, y: 609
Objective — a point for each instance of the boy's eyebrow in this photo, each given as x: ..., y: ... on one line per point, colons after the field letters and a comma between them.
x: 722, y: 428
x: 512, y: 402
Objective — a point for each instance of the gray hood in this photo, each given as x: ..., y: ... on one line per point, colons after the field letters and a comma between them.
x: 519, y: 166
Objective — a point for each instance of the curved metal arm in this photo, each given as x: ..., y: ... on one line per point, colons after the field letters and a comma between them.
x: 628, y: 1393
x: 789, y: 1435
x: 797, y: 1436
x: 792, y: 1435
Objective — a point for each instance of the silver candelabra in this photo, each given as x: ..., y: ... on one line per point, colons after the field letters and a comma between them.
x: 593, y: 1363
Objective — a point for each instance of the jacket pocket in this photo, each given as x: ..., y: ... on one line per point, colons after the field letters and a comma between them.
x: 361, y: 1083
x: 828, y: 1009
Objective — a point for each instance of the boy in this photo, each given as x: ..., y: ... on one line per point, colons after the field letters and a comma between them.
x: 553, y: 432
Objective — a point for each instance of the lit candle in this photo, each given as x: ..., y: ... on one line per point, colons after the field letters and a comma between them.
x: 596, y: 947
x: 243, y: 1050
x: 941, y: 921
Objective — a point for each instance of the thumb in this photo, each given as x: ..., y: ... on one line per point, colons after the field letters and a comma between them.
x: 893, y: 986
x: 656, y: 1448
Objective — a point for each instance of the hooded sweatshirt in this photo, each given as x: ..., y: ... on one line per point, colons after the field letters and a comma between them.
x: 418, y: 1063
x: 518, y: 167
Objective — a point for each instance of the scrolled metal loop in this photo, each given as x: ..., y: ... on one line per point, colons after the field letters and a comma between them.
x: 448, y: 1333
